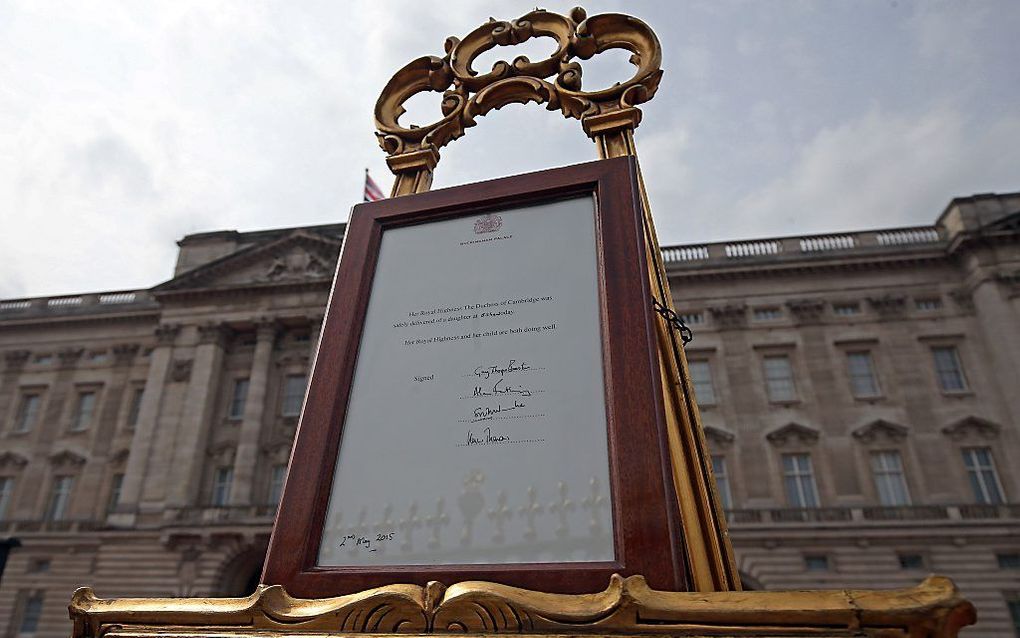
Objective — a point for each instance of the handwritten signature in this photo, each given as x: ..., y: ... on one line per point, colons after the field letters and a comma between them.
x: 500, y: 388
x: 500, y: 369
x: 489, y: 438
x: 487, y: 414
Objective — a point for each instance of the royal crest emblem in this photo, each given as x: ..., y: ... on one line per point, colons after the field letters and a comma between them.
x: 488, y: 224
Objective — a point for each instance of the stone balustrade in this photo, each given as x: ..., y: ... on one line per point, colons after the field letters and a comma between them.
x: 102, y: 302
x: 881, y: 514
x: 804, y: 245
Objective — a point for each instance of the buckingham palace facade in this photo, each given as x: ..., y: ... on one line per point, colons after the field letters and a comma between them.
x: 860, y: 394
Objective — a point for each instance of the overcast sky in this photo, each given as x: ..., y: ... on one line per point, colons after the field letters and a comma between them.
x: 126, y: 125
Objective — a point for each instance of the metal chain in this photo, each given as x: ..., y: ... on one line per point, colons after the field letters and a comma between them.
x: 674, y: 320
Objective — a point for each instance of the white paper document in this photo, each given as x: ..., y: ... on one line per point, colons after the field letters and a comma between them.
x: 476, y: 427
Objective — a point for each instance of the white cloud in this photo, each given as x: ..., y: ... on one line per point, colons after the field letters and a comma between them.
x: 884, y: 169
x: 124, y: 126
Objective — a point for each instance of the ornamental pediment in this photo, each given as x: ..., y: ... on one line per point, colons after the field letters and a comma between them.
x: 718, y: 436
x: 66, y: 459
x: 11, y: 460
x: 972, y: 426
x: 879, y: 429
x: 792, y: 433
x: 302, y: 256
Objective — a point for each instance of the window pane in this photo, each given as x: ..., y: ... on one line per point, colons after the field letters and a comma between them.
x: 27, y: 412
x: 238, y: 398
x: 862, y: 374
x: 983, y: 477
x: 947, y: 369
x: 276, y: 483
x: 799, y: 480
x: 31, y: 614
x: 6, y: 494
x: 701, y: 377
x: 221, y: 486
x: 722, y: 481
x: 779, y: 378
x: 293, y: 394
x: 59, y: 497
x: 1014, y: 613
x: 816, y: 563
x: 890, y: 481
x: 136, y: 407
x: 115, y: 486
x: 83, y: 411
x: 911, y: 561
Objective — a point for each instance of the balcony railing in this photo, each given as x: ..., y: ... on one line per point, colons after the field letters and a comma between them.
x: 874, y: 514
x: 807, y: 245
x: 211, y: 514
x: 11, y: 527
x: 75, y: 304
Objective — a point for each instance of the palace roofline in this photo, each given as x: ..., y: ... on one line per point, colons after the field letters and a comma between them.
x: 985, y: 215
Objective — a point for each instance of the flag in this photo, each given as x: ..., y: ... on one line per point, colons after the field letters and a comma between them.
x: 372, y: 191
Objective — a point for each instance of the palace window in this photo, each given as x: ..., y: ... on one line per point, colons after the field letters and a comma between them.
x: 136, y: 407
x: 60, y: 496
x: 861, y: 368
x: 1008, y: 561
x: 816, y: 563
x: 928, y: 304
x: 238, y: 399
x: 948, y: 369
x: 1013, y: 602
x: 911, y: 561
x: 6, y: 495
x: 276, y: 483
x: 221, y: 486
x: 31, y: 613
x: 799, y: 481
x: 293, y: 394
x: 692, y: 317
x: 887, y: 468
x: 82, y: 416
x: 984, y: 480
x: 771, y: 313
x: 39, y: 566
x: 116, y: 483
x: 28, y: 410
x: 722, y: 481
x: 779, y: 378
x: 846, y: 309
x: 701, y: 378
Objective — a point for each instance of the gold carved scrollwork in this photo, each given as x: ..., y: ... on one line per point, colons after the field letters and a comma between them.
x: 555, y: 81
x: 627, y: 606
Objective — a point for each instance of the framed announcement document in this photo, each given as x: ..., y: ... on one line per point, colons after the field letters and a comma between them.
x: 485, y: 402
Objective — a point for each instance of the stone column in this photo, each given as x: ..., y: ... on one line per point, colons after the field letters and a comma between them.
x: 246, y: 457
x: 999, y: 319
x: 185, y: 471
x: 145, y: 428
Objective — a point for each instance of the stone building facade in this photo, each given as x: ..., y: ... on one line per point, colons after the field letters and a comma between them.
x: 859, y: 393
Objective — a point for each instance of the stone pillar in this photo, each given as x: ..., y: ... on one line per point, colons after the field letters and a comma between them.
x: 246, y: 457
x: 999, y: 320
x: 189, y: 456
x: 145, y: 429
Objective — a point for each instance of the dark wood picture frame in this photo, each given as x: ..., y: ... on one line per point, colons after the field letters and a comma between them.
x: 646, y: 526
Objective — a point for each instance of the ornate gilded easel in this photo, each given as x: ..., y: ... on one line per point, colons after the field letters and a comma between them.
x: 628, y: 606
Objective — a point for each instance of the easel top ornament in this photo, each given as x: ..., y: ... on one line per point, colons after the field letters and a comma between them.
x: 556, y: 81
